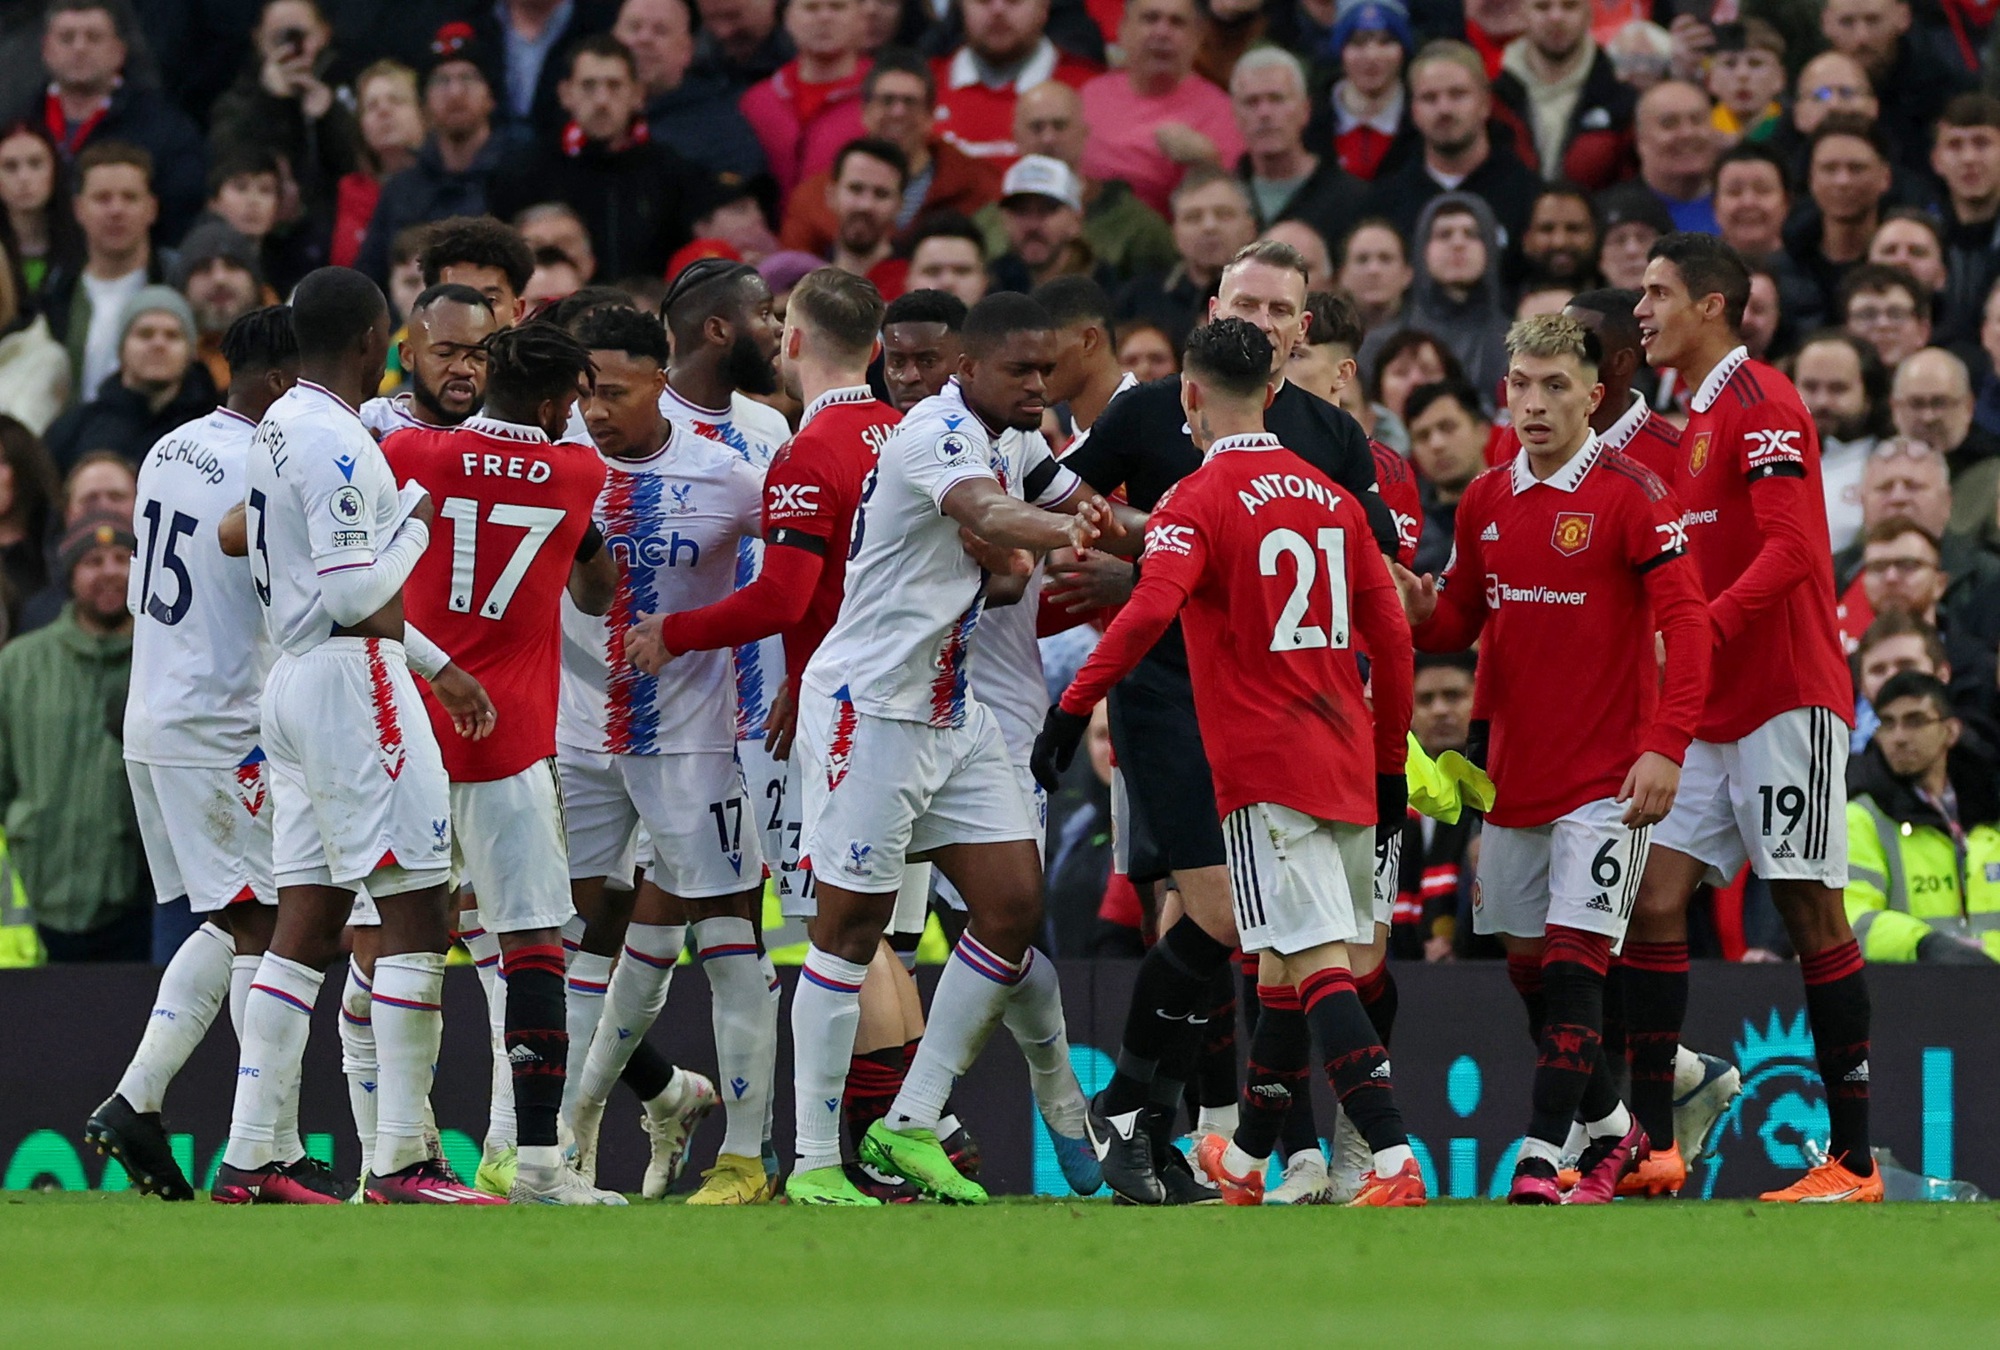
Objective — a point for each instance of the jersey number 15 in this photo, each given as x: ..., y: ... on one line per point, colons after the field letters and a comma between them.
x: 168, y: 551
x: 1290, y: 634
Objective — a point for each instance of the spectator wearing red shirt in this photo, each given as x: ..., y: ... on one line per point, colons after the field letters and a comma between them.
x: 862, y: 196
x: 392, y: 128
x: 812, y: 106
x: 1150, y: 121
x: 1006, y: 53
x: 1366, y: 113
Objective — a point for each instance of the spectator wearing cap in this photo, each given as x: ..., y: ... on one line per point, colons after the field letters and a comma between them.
x: 1847, y: 179
x: 1913, y: 75
x: 1632, y: 217
x: 115, y: 209
x: 1451, y: 105
x: 1746, y: 78
x: 898, y: 96
x: 458, y: 159
x: 691, y: 110
x: 811, y: 107
x: 63, y: 795
x: 1456, y: 289
x: 85, y: 44
x: 1154, y: 118
x: 526, y: 46
x: 785, y: 269
x: 218, y: 274
x: 1677, y: 151
x: 1286, y: 180
x: 1041, y: 203
x: 1212, y: 220
x: 1559, y: 82
x: 158, y: 384
x: 1006, y: 53
x: 392, y: 130
x: 1127, y: 236
x: 1366, y: 114
x: 741, y: 42
x: 635, y: 197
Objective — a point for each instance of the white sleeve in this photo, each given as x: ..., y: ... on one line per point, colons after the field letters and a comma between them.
x: 1047, y: 483
x: 422, y: 655
x: 354, y: 590
x: 936, y: 460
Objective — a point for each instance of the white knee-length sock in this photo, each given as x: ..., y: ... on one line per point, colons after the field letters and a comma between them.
x: 746, y: 1028
x: 192, y: 990
x: 242, y: 972
x: 357, y: 1060
x: 277, y: 1021
x: 408, y: 1026
x: 637, y: 992
x: 484, y: 949
x: 972, y: 994
x: 589, y: 978
x: 826, y: 1010
x: 1035, y: 1017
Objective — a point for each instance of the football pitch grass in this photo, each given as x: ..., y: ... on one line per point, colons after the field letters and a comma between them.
x: 128, y: 1271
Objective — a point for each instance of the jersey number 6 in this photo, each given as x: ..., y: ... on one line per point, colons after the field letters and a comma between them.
x: 1291, y: 635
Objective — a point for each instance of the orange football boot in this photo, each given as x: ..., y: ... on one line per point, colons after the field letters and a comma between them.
x: 1657, y: 1175
x: 1404, y: 1190
x: 1830, y: 1183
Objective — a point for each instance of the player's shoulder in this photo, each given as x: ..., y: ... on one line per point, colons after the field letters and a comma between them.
x: 1625, y: 476
x: 1659, y: 430
x: 1390, y: 467
x: 759, y: 420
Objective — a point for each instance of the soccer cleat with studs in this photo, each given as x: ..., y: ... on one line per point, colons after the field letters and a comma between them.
x: 139, y: 1142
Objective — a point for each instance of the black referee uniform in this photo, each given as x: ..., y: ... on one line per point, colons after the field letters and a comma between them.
x: 1140, y: 442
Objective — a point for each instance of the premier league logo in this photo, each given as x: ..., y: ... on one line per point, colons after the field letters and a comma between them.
x: 1783, y: 1104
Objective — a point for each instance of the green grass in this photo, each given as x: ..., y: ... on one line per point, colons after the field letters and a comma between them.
x: 119, y: 1269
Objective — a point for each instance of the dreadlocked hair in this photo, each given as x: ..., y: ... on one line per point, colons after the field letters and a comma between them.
x: 261, y: 340
x: 531, y: 364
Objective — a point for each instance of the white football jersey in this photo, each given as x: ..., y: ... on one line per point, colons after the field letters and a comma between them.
x: 198, y: 648
x: 899, y: 648
x: 756, y: 432
x: 320, y: 499
x: 1007, y: 654
x: 673, y: 521
x: 384, y: 415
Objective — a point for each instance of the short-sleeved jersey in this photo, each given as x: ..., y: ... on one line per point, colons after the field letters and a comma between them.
x: 899, y: 648
x: 1271, y: 555
x: 1397, y: 483
x: 198, y: 647
x: 1747, y: 423
x: 511, y: 511
x: 385, y: 415
x: 754, y: 432
x: 813, y: 488
x: 674, y: 521
x: 1556, y: 570
x: 320, y: 500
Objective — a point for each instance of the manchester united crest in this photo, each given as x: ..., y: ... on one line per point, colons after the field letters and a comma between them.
x: 1698, y: 456
x: 1572, y: 532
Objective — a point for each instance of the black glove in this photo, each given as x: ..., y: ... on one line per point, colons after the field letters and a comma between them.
x: 1392, y: 806
x: 1478, y: 736
x: 1062, y: 732
x: 1942, y: 949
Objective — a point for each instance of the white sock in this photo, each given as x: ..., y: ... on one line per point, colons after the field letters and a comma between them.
x: 1390, y: 1160
x: 1532, y: 1147
x: 1216, y: 1120
x: 632, y: 1003
x: 971, y: 997
x: 589, y: 977
x: 826, y: 1011
x: 286, y: 1146
x: 191, y: 993
x: 1240, y: 1162
x: 408, y: 1027
x: 277, y: 1022
x: 572, y: 936
x: 768, y: 971
x: 1617, y: 1124
x: 746, y: 1029
x: 1035, y: 1017
x: 484, y: 948
x: 357, y: 1060
x: 1578, y: 1141
x: 242, y: 971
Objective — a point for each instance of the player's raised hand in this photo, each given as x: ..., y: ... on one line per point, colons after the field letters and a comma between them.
x: 465, y: 700
x: 645, y: 648
x: 1650, y: 788
x: 1419, y: 593
x: 780, y: 723
x: 1087, y: 581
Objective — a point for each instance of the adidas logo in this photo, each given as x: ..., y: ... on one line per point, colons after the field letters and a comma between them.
x: 1271, y: 1092
x: 1783, y: 850
x: 1857, y: 1074
x: 1599, y: 903
x: 1491, y: 534
x: 521, y: 1054
x: 1381, y: 1071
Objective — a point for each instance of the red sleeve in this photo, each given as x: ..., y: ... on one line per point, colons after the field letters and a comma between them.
x: 1782, y: 501
x: 1461, y: 606
x: 1378, y: 614
x: 773, y: 602
x: 1658, y: 548
x: 1170, y: 566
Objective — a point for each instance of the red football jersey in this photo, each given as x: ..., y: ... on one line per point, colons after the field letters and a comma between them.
x: 1398, y: 486
x: 978, y: 119
x: 511, y: 510
x: 1567, y: 579
x: 813, y: 487
x: 1749, y: 482
x: 1276, y: 576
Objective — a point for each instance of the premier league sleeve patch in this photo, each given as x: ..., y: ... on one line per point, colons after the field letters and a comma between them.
x: 347, y: 504
x: 955, y: 448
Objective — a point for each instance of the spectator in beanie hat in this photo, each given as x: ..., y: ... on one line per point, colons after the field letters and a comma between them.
x: 158, y: 385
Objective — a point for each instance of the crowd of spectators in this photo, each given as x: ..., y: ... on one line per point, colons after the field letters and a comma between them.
x: 1448, y: 165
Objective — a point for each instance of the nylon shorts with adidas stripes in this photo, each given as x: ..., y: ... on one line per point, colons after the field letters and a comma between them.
x: 1298, y: 882
x: 207, y: 831
x: 1776, y: 799
x: 508, y: 845
x: 358, y: 788
x: 698, y: 819
x: 1579, y: 871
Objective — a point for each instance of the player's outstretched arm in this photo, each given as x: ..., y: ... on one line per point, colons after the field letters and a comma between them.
x: 232, y: 532
x: 982, y: 506
x: 1151, y: 611
x: 774, y: 601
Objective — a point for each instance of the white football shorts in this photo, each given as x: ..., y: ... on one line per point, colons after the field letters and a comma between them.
x: 1777, y: 799
x: 508, y: 845
x: 207, y: 831
x: 1298, y: 882
x: 1580, y: 871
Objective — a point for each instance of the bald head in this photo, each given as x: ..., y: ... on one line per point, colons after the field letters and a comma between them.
x: 1832, y: 82
x: 1931, y: 398
x: 1048, y: 120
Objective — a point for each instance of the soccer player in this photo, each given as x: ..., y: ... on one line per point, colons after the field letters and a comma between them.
x: 1274, y: 571
x: 675, y: 508
x: 1142, y: 443
x: 331, y: 542
x: 444, y: 355
x: 920, y: 345
x: 901, y: 762
x: 486, y: 254
x: 1763, y: 781
x: 517, y: 507
x: 191, y: 754
x: 1568, y: 558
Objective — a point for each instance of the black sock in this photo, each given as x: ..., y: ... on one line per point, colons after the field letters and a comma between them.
x: 1524, y: 972
x: 1378, y: 995
x: 1215, y: 1077
x: 1615, y: 1062
x: 1656, y: 999
x: 1356, y: 1063
x: 1837, y: 1009
x: 1172, y: 981
x: 873, y: 1080
x: 1570, y: 1052
x: 647, y: 1073
x: 537, y: 1039
x: 1278, y: 1072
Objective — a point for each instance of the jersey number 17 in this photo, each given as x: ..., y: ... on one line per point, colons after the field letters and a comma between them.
x: 463, y: 512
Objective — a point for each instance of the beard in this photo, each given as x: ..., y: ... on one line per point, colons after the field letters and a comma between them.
x: 1843, y: 426
x: 748, y: 369
x: 427, y: 397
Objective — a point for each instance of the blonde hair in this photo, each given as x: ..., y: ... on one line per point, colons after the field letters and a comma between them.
x: 1550, y: 335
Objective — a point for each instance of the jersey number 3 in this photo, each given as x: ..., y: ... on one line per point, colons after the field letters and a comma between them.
x: 1291, y: 634
x: 463, y: 512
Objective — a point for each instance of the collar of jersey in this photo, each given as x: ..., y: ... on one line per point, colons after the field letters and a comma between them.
x: 507, y: 431
x: 1625, y: 428
x: 226, y: 411
x: 1711, y: 388
x: 847, y: 393
x: 1256, y: 440
x: 1566, y: 479
x: 666, y: 448
x: 717, y: 414
x: 325, y: 392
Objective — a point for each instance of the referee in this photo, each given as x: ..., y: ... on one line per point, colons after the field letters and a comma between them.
x: 1169, y: 826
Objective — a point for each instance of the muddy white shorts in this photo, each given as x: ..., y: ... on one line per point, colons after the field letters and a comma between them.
x: 207, y: 831
x: 1298, y: 882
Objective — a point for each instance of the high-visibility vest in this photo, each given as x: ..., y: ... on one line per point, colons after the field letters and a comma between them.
x: 20, y: 944
x: 1905, y: 881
